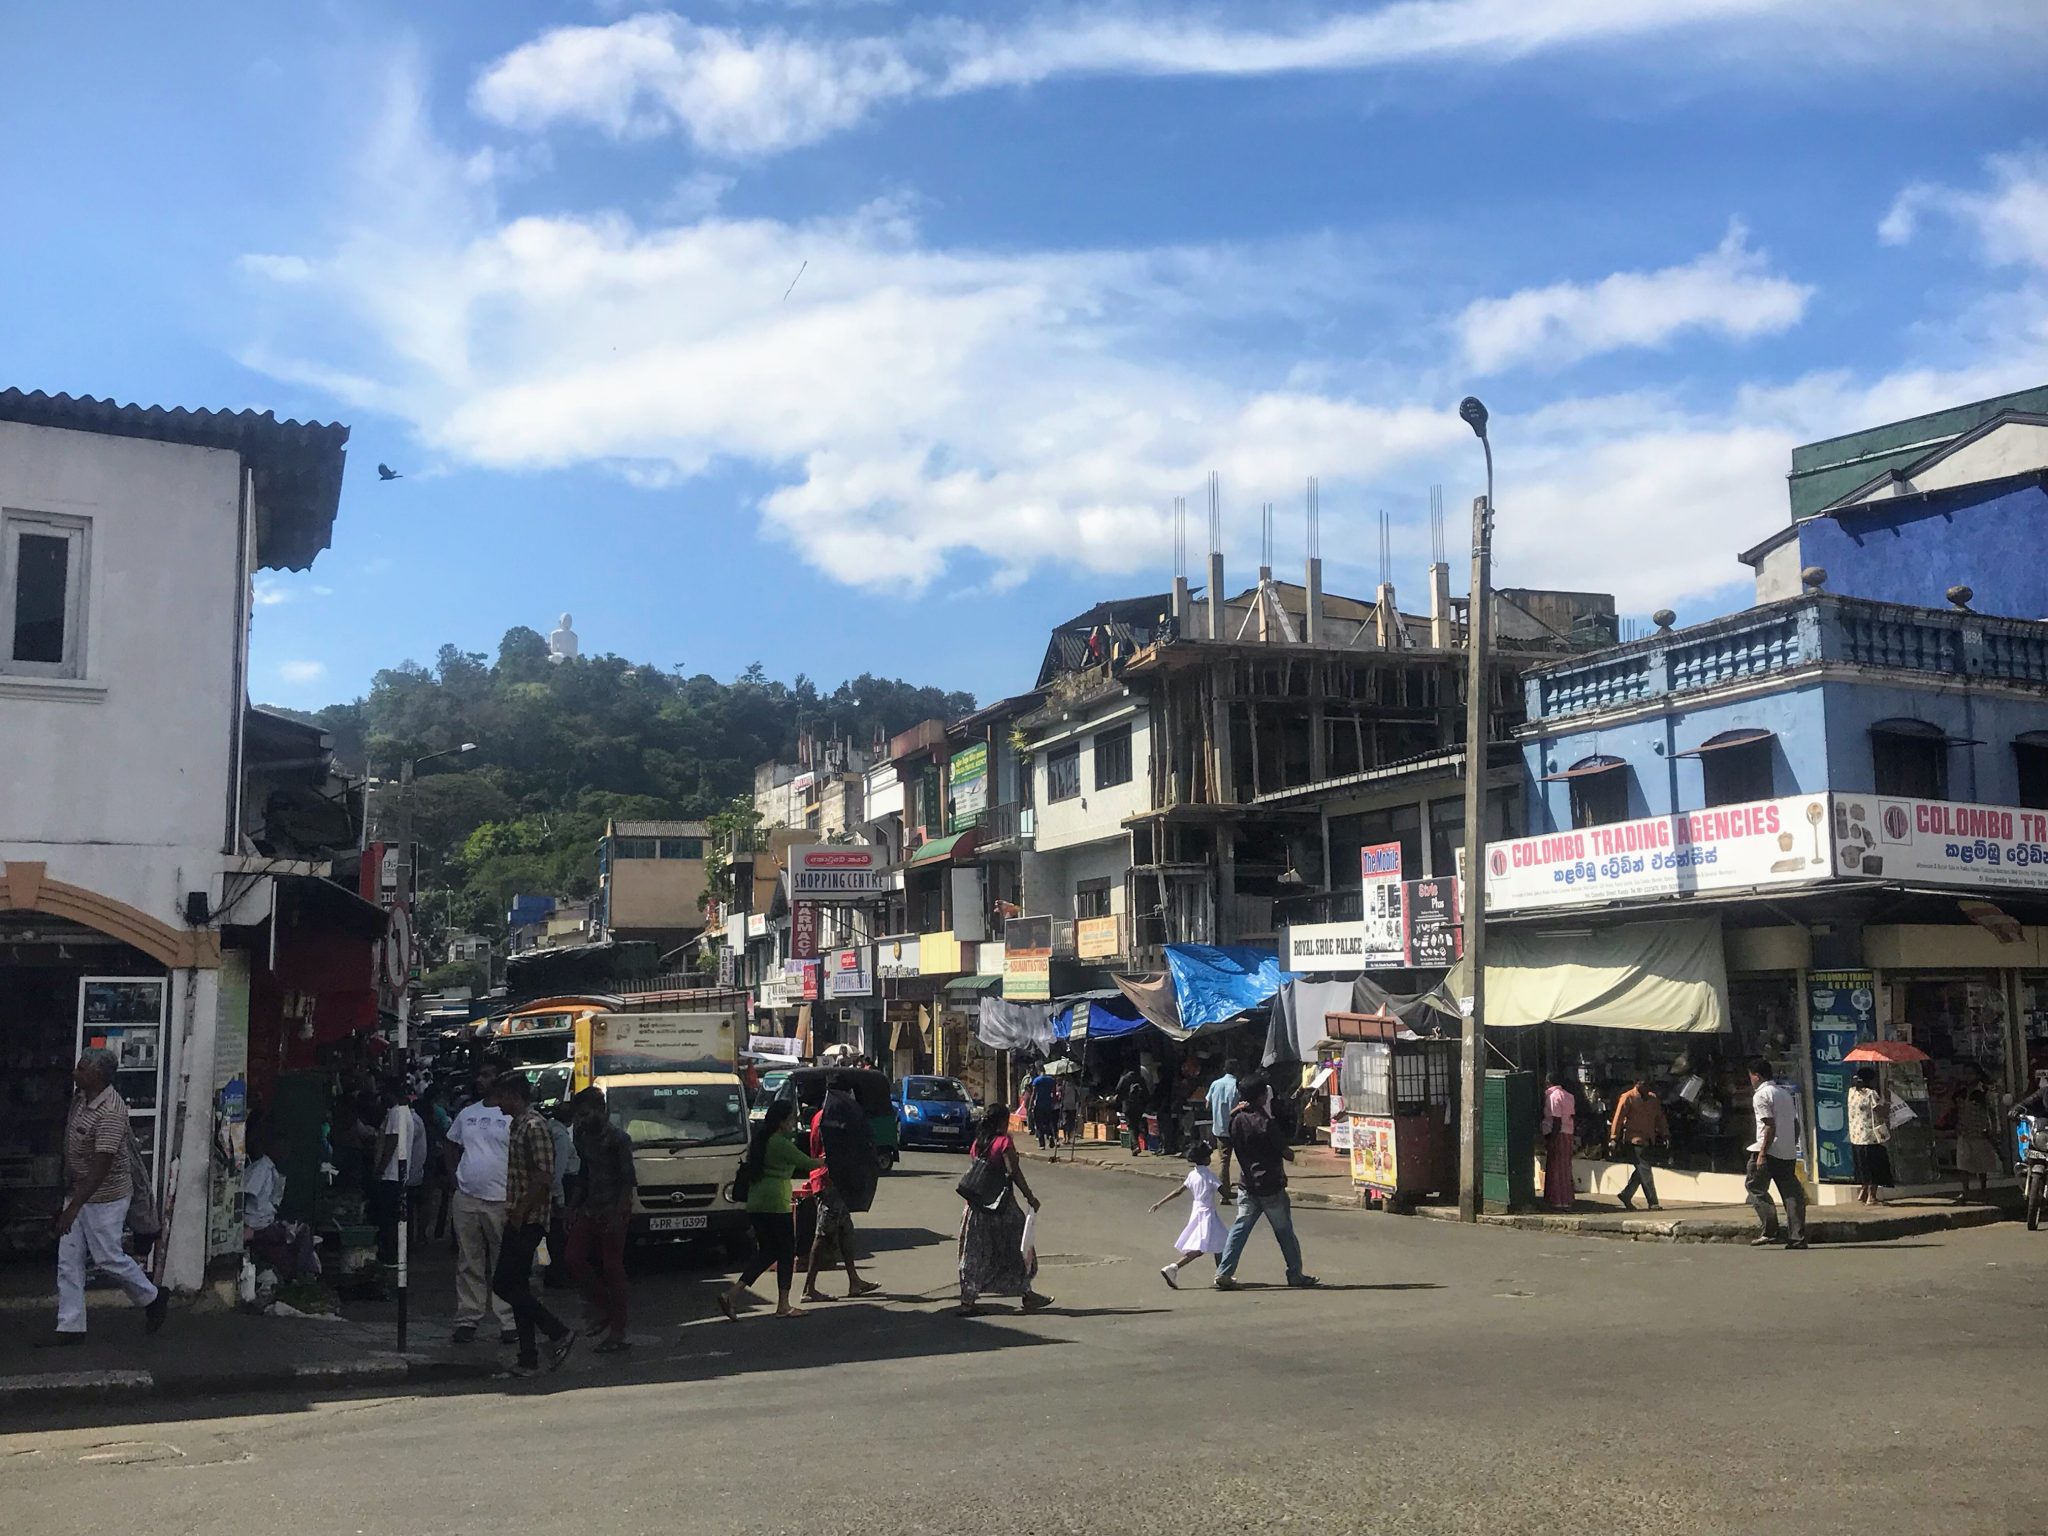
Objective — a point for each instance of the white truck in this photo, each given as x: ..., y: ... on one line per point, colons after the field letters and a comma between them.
x: 672, y: 1083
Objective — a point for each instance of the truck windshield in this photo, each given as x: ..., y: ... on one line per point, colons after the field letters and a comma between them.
x: 680, y: 1114
x: 935, y: 1090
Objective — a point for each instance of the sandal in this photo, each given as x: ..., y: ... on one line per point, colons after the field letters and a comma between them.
x: 725, y: 1306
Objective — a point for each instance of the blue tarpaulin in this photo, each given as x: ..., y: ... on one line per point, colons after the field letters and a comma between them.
x: 1213, y: 983
x: 1107, y: 1018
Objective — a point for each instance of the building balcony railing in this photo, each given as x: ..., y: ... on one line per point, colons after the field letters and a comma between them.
x: 1010, y: 825
x: 1784, y: 636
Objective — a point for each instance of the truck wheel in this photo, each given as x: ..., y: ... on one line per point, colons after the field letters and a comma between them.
x: 2035, y: 1183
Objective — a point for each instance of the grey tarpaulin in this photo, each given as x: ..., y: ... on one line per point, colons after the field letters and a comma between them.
x: 1423, y: 1012
x: 1007, y: 1026
x: 1297, y: 1019
x: 1154, y: 997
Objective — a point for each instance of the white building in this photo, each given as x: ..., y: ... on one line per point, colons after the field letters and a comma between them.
x: 129, y: 540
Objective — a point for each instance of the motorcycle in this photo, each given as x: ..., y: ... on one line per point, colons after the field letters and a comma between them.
x: 2033, y: 1166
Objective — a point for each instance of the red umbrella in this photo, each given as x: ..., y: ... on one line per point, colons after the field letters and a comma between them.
x: 1887, y: 1050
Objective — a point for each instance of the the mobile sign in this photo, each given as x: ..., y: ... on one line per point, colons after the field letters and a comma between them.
x: 1380, y: 867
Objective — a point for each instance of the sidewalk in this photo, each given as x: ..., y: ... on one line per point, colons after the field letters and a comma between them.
x: 204, y: 1350
x: 1321, y: 1179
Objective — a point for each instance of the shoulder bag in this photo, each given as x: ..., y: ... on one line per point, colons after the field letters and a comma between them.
x: 983, y: 1184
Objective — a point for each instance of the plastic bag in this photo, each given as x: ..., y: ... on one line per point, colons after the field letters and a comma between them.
x: 1028, y: 1245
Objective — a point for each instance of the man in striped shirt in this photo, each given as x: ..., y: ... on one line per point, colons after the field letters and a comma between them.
x: 90, y: 1225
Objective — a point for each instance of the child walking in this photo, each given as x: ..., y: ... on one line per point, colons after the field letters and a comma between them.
x: 1204, y: 1232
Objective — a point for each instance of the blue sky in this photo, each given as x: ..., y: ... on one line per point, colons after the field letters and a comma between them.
x: 1058, y: 262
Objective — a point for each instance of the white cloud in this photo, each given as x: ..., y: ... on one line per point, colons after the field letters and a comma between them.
x: 270, y: 590
x: 752, y: 92
x: 914, y: 411
x: 302, y: 672
x: 2009, y: 218
x: 1728, y: 291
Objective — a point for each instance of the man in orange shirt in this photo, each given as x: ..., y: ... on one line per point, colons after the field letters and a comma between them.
x: 1639, y: 1124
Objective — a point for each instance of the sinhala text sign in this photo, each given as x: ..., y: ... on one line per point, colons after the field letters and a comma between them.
x: 1728, y: 847
x: 1941, y: 842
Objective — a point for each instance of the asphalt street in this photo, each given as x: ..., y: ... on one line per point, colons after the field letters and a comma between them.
x: 1444, y: 1379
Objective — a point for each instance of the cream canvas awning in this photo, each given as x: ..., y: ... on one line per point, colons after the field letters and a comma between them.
x: 1671, y: 977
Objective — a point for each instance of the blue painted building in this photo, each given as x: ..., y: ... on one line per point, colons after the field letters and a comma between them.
x: 1819, y: 820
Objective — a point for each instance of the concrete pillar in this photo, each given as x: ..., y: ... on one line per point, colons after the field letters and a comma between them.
x: 1314, y: 632
x: 1387, y: 618
x: 1440, y: 629
x: 188, y: 1129
x: 1216, y: 595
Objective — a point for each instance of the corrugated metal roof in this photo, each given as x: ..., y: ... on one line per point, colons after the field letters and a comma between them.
x: 297, y: 464
x: 660, y: 828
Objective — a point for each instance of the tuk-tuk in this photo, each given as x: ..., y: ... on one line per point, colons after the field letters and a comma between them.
x: 806, y: 1086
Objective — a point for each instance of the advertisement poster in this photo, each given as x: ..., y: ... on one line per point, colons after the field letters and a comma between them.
x: 803, y: 930
x: 1841, y: 1007
x: 804, y: 973
x: 1730, y: 847
x: 1380, y: 865
x: 967, y: 799
x: 1373, y: 1159
x: 1435, y: 929
x: 1940, y: 842
x: 1027, y: 959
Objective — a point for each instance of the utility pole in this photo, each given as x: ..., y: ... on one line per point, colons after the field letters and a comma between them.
x: 1472, y: 1075
x: 403, y: 902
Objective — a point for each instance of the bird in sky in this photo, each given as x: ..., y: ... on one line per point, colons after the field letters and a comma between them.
x: 386, y: 472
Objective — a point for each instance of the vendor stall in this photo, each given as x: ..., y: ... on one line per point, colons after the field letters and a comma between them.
x: 1400, y: 1098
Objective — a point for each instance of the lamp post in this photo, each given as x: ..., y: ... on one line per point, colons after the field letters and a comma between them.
x: 1472, y: 1073
x: 406, y: 876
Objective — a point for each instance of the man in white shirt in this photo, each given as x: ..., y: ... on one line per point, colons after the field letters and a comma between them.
x: 1774, y: 1159
x: 476, y: 1146
x: 403, y: 1138
x: 287, y: 1247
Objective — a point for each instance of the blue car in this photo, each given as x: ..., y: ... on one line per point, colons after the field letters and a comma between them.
x: 933, y: 1112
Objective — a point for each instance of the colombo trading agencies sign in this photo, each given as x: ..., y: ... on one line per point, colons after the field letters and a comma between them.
x: 1730, y: 847
x: 836, y: 872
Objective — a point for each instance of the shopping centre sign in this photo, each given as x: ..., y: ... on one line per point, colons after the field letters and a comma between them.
x: 1941, y: 842
x: 1729, y: 847
x: 836, y: 872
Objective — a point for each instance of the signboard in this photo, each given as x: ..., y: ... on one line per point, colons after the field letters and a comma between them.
x: 803, y: 930
x: 1434, y: 923
x: 898, y: 957
x: 1374, y: 1161
x: 847, y: 974
x: 967, y: 798
x: 1340, y: 1134
x: 803, y: 974
x: 1096, y: 937
x: 1842, y: 1009
x: 728, y: 971
x: 938, y: 954
x: 736, y: 930
x: 1941, y: 842
x: 780, y: 1047
x: 1728, y: 847
x: 1380, y: 864
x: 836, y: 872
x: 1027, y: 959
x: 1326, y: 947
x: 622, y: 1043
x: 757, y: 925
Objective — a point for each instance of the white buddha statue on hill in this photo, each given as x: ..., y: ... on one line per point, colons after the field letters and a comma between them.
x: 562, y: 645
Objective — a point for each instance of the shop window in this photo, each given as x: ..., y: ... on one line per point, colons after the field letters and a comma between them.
x: 1091, y: 899
x: 42, y: 595
x: 1113, y: 757
x: 682, y: 848
x: 1738, y: 774
x: 1446, y: 836
x: 1909, y: 758
x: 1063, y: 773
x: 633, y: 847
x: 2030, y: 755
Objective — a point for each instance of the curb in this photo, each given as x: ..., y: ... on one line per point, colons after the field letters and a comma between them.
x: 1172, y: 1171
x: 20, y: 1394
x: 1679, y: 1229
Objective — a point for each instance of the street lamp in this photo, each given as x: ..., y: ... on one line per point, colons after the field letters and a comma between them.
x: 1472, y: 1074
x: 407, y: 873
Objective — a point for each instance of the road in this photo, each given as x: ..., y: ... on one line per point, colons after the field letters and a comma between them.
x: 1445, y: 1380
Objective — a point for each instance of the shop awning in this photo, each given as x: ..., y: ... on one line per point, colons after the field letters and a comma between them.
x: 967, y: 986
x: 1727, y: 739
x: 1667, y: 977
x: 1586, y: 768
x: 937, y: 850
